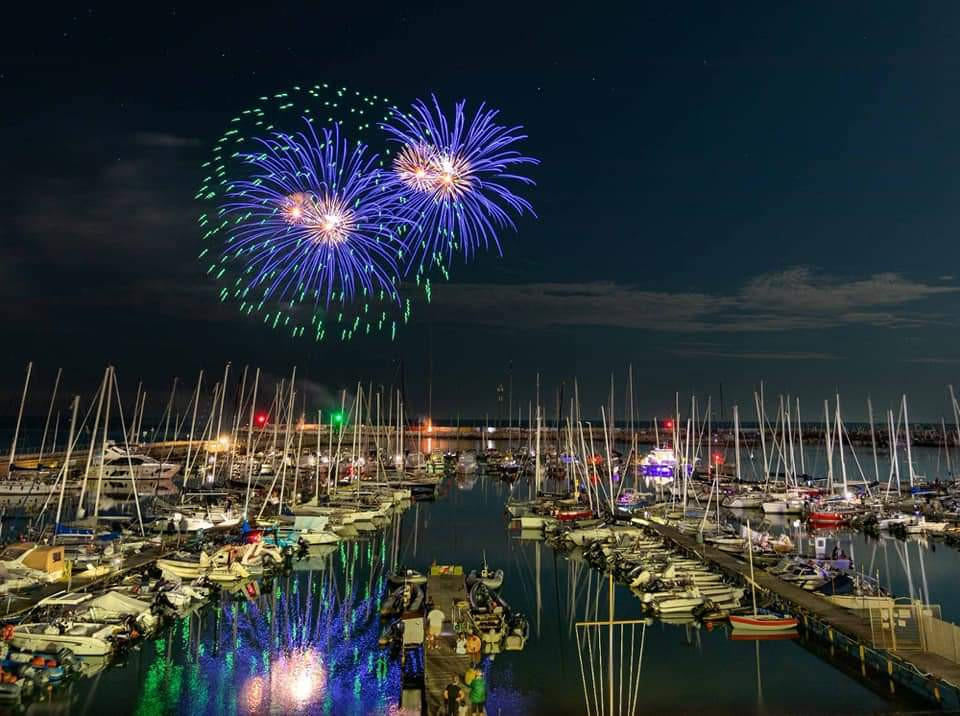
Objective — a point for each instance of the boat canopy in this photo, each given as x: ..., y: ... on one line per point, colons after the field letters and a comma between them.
x: 45, y: 559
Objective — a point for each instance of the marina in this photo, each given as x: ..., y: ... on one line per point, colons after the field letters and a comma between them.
x: 480, y: 360
x: 385, y: 526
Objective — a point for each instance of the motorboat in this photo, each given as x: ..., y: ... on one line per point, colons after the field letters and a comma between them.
x: 855, y: 592
x: 659, y: 466
x: 783, y: 506
x: 111, y: 607
x: 743, y: 501
x: 491, y: 579
x: 26, y: 564
x: 184, y: 564
x: 312, y: 530
x: 82, y: 638
x: 407, y: 598
x: 672, y: 601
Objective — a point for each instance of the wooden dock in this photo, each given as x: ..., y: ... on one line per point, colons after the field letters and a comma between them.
x: 13, y: 605
x: 448, y: 591
x: 934, y: 673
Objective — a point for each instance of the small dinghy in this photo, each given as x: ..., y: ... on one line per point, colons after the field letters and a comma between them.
x: 408, y: 598
x: 763, y: 621
x: 489, y: 578
x: 406, y: 576
x: 518, y: 630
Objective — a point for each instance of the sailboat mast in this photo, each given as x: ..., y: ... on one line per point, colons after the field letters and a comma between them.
x: 736, y: 438
x: 253, y: 408
x: 803, y: 468
x: 873, y: 439
x: 16, y: 430
x: 66, y: 468
x: 906, y: 425
x: 840, y: 431
x: 108, y: 394
x: 536, y: 470
x: 753, y: 584
x: 93, y: 440
x: 46, y: 424
x: 193, y: 426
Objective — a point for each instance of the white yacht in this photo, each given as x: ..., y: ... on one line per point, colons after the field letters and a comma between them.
x: 153, y: 477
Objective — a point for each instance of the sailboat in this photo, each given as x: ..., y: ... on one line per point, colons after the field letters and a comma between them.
x: 761, y: 620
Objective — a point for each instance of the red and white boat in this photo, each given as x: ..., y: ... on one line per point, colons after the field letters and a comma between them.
x: 569, y: 515
x: 763, y: 622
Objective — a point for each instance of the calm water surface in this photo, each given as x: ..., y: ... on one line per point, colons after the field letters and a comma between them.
x: 307, y: 642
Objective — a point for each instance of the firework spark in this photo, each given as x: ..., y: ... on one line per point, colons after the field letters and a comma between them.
x: 313, y: 219
x: 455, y: 179
x: 303, y: 256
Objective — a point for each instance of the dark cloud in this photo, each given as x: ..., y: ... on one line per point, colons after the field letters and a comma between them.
x: 165, y: 140
x: 797, y: 298
x: 752, y: 355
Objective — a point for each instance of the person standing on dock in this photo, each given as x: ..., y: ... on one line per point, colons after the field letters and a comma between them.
x: 453, y: 695
x: 474, y: 645
x: 478, y: 692
x: 435, y: 619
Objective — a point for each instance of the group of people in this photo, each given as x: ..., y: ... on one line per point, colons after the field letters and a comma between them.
x: 469, y: 694
x: 460, y: 703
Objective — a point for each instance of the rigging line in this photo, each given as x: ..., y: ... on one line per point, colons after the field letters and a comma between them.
x: 643, y: 639
x: 583, y: 676
x: 620, y: 694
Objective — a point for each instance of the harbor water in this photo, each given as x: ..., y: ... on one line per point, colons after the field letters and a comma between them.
x: 306, y: 642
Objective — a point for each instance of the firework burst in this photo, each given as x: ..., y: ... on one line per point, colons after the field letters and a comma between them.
x: 298, y: 221
x: 455, y: 180
x: 314, y: 220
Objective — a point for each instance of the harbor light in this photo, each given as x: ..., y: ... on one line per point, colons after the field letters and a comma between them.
x: 491, y: 429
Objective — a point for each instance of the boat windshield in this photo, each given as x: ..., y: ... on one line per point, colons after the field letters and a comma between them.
x: 14, y: 551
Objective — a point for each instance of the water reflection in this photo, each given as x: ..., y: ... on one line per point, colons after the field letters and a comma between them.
x: 305, y: 642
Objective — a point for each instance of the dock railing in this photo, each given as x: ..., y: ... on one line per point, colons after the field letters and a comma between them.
x: 940, y: 637
x: 915, y: 626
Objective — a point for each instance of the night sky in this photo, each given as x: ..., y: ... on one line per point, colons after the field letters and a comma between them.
x: 728, y: 193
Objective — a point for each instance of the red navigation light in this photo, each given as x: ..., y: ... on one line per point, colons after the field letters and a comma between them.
x: 668, y: 425
x: 261, y: 418
x: 718, y: 458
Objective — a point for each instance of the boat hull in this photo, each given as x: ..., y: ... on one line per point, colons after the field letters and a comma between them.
x: 762, y: 624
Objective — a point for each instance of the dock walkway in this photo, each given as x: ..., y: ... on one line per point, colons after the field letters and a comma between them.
x: 809, y: 606
x: 440, y: 665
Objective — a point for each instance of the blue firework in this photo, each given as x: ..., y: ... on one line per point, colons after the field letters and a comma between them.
x: 454, y: 179
x: 314, y: 221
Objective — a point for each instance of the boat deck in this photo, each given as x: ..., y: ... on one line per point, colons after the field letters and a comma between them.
x: 12, y: 605
x: 810, y: 605
x: 440, y: 665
